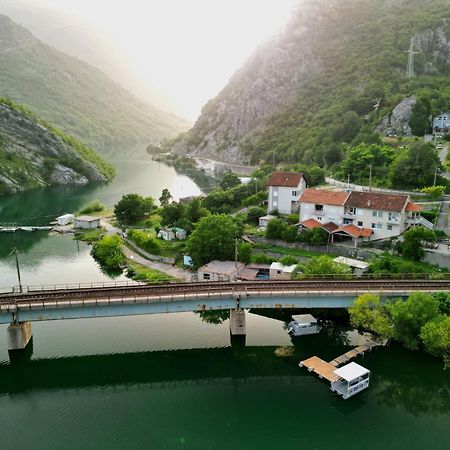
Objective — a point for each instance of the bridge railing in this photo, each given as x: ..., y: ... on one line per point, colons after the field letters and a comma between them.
x: 301, y: 277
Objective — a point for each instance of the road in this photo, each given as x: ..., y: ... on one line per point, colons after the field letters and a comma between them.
x: 442, y: 156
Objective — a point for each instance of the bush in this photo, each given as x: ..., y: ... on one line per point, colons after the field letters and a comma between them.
x: 108, y: 252
x: 245, y: 252
x: 275, y: 229
x: 254, y: 214
x: 93, y: 206
x: 288, y: 260
x: 143, y: 240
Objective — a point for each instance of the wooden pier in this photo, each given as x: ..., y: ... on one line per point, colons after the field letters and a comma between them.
x: 326, y: 369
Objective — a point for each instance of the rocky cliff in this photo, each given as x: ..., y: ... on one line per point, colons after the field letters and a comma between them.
x: 317, y: 83
x: 33, y: 154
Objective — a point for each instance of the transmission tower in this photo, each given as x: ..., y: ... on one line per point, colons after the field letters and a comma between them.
x: 410, y: 67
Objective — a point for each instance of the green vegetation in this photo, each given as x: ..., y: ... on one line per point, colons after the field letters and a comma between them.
x: 145, y: 240
x: 322, y: 265
x: 411, y: 247
x: 132, y: 207
x: 391, y: 264
x: 421, y: 321
x: 108, y: 253
x: 75, y: 96
x: 138, y: 272
x: 213, y: 238
x: 89, y: 236
x: 229, y: 180
x: 93, y: 206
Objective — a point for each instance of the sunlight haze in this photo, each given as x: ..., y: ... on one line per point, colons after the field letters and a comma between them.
x: 183, y: 51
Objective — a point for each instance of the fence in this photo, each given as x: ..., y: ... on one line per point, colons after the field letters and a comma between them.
x: 149, y: 256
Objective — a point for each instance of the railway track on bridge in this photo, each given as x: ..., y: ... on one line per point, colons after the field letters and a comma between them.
x: 236, y: 288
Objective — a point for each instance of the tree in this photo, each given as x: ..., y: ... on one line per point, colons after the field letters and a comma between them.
x: 165, y: 198
x: 275, y: 229
x: 288, y: 260
x: 132, y: 207
x: 172, y: 213
x: 368, y: 313
x: 415, y: 167
x: 435, y: 336
x: 108, y: 252
x: 411, y: 315
x: 195, y: 211
x: 434, y: 192
x: 253, y: 214
x: 229, y: 180
x: 411, y: 246
x: 213, y: 238
x: 245, y: 252
x: 324, y: 265
x: 419, y: 121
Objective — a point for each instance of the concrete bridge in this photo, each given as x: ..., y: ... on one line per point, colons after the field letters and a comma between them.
x: 59, y: 303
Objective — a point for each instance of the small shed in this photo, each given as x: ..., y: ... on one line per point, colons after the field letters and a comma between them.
x: 279, y: 271
x: 180, y: 234
x: 65, y: 219
x: 353, y: 378
x: 220, y: 271
x: 357, y: 267
x: 166, y: 234
x: 87, y: 222
x: 264, y: 220
x: 254, y: 272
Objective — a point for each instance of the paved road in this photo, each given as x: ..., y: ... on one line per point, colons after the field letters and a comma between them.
x: 443, y: 222
x: 442, y: 157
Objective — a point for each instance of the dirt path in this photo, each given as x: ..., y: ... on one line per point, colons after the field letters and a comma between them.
x: 174, y: 271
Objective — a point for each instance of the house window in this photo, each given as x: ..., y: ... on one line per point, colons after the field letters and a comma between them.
x: 206, y: 276
x: 348, y: 221
x: 389, y: 227
x: 295, y: 193
x: 393, y: 216
x: 377, y: 226
x: 275, y: 193
x: 319, y: 208
x: 275, y: 203
x: 351, y: 211
x: 319, y: 218
x: 377, y: 213
x: 360, y: 224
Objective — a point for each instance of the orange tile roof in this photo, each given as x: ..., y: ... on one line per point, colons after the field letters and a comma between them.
x: 323, y: 197
x: 286, y: 179
x: 354, y: 231
x: 377, y: 201
x: 311, y: 223
x: 330, y: 227
x: 413, y: 207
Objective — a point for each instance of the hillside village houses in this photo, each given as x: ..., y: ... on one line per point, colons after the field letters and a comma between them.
x: 358, y: 215
x: 284, y: 191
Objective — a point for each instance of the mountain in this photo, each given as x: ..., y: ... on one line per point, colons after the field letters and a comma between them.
x: 73, y: 95
x: 33, y: 154
x: 332, y: 76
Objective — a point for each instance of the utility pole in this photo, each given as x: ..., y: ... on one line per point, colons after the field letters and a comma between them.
x: 236, y: 255
x: 435, y: 176
x: 17, y: 268
x: 370, y: 177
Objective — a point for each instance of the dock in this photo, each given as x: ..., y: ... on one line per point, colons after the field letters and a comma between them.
x: 24, y: 228
x: 346, y: 387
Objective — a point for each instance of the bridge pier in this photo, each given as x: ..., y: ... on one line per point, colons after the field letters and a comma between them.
x: 237, y: 322
x: 19, y: 334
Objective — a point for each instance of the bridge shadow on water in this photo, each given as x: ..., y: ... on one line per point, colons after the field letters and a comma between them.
x: 412, y: 380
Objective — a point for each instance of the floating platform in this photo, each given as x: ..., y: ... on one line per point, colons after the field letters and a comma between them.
x: 321, y: 368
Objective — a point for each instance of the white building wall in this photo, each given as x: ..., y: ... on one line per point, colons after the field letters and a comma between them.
x: 281, y: 198
x: 329, y: 213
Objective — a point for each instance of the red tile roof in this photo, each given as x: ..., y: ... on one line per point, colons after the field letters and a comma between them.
x: 311, y: 223
x: 354, y: 231
x: 323, y: 197
x: 330, y: 227
x: 413, y: 207
x: 286, y: 179
x: 377, y: 201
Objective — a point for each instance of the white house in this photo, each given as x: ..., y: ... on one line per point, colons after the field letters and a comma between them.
x: 264, y: 220
x: 284, y: 191
x: 87, y: 222
x: 170, y: 234
x: 220, y: 271
x: 65, y: 219
x: 359, y: 215
x: 279, y: 271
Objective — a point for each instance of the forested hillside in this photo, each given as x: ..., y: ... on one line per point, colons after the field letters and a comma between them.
x: 310, y: 95
x: 73, y: 95
x: 34, y: 153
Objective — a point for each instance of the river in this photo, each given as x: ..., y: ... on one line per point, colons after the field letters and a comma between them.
x: 173, y: 381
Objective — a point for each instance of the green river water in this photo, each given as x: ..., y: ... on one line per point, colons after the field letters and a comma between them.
x: 175, y: 382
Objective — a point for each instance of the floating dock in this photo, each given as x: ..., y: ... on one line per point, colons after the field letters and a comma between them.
x: 340, y: 381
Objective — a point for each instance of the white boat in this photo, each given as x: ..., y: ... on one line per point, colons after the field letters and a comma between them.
x: 303, y: 324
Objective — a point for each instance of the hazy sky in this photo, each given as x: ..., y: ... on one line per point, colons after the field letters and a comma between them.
x: 185, y: 49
